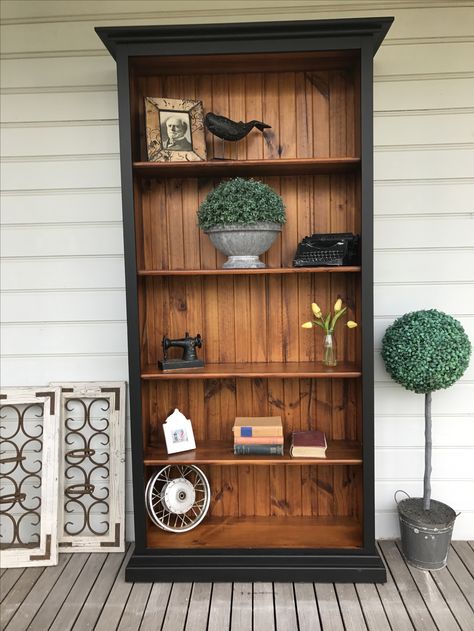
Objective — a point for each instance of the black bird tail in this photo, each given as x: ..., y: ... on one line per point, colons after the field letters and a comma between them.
x: 261, y: 126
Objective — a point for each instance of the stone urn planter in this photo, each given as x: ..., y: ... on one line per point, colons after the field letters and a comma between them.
x: 242, y: 218
x: 242, y: 243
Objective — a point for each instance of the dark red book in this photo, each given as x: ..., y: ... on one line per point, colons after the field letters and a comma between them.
x: 311, y: 444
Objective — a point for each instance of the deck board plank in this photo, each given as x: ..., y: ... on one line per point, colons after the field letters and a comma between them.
x: 285, y: 606
x: 135, y: 607
x: 97, y: 598
x: 392, y: 603
x: 414, y: 603
x: 454, y: 598
x: 113, y: 609
x: 350, y: 607
x: 55, y: 599
x: 9, y: 578
x: 219, y: 612
x: 16, y: 596
x: 242, y: 605
x: 329, y: 612
x: 175, y: 617
x: 38, y: 594
x: 465, y: 553
x: 462, y: 576
x: 433, y: 598
x: 307, y: 607
x: 374, y: 614
x: 263, y: 608
x: 199, y: 604
x: 156, y: 607
x: 72, y: 606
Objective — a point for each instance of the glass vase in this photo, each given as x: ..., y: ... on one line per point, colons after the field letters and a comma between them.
x: 329, y: 350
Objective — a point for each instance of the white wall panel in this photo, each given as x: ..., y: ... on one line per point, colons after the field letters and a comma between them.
x: 391, y: 398
x: 408, y: 431
x: 456, y: 298
x: 420, y: 164
x: 433, y: 232
x: 95, y: 172
x: 54, y: 206
x: 58, y: 72
x: 61, y: 339
x: 423, y: 196
x: 24, y: 370
x: 421, y: 127
x: 63, y: 280
x: 60, y: 239
x: 64, y: 106
x: 60, y: 140
x: 72, y: 272
x: 62, y: 306
x: 424, y: 94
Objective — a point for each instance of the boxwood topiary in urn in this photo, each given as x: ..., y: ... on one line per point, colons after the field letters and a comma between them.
x: 425, y: 351
x: 242, y: 217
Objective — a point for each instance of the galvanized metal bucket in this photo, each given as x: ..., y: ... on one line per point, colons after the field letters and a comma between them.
x: 425, y: 535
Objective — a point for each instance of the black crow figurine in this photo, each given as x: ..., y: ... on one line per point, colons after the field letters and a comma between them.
x: 228, y: 129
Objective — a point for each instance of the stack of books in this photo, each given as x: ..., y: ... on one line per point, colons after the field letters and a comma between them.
x: 258, y: 435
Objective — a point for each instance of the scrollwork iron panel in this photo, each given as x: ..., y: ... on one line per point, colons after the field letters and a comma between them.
x: 29, y: 430
x: 92, y: 467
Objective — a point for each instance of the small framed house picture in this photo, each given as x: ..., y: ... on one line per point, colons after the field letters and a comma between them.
x: 174, y: 130
x: 178, y: 432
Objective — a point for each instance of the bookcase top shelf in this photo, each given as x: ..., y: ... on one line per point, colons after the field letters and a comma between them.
x: 234, y: 168
x: 248, y: 271
x: 339, y: 452
x: 316, y: 370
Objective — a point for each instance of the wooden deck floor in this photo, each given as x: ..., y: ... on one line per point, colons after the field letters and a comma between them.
x: 87, y: 591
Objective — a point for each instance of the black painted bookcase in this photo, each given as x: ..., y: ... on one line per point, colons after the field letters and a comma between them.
x: 270, y: 517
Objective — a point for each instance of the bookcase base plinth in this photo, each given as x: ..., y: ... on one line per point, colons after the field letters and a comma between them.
x: 254, y: 566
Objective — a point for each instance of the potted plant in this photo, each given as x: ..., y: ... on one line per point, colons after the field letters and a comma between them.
x: 425, y: 351
x: 242, y: 217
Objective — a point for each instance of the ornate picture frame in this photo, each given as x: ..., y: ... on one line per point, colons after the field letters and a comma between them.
x: 174, y: 130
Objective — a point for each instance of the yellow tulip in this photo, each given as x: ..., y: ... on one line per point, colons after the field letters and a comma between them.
x: 316, y: 310
x: 338, y: 305
x: 307, y: 325
x: 351, y: 324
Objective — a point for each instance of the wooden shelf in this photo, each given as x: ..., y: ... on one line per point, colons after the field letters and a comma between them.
x: 312, y: 370
x: 251, y: 272
x: 262, y: 532
x: 228, y: 168
x: 219, y: 452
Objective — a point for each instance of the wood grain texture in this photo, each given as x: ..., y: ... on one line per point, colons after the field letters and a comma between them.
x: 258, y: 359
x: 263, y: 532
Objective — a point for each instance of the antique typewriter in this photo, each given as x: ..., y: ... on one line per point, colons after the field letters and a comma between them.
x: 321, y: 250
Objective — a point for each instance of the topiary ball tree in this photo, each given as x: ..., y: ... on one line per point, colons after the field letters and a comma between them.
x: 426, y: 351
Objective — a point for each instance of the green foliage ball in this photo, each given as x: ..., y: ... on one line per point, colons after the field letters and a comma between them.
x: 241, y: 201
x: 425, y: 351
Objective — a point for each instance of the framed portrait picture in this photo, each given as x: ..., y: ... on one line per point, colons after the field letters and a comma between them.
x: 174, y: 130
x: 178, y: 432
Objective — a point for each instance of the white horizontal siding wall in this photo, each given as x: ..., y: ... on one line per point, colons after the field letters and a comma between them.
x: 63, y: 304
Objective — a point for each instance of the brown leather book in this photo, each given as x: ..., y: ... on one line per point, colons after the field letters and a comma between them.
x: 311, y: 444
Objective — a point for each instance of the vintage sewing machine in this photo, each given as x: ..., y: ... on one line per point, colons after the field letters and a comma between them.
x: 189, y: 358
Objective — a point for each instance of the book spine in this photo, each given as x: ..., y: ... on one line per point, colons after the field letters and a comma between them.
x: 259, y: 440
x: 252, y: 432
x: 262, y: 450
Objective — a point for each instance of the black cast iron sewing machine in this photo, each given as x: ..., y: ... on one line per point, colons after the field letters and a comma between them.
x: 189, y: 358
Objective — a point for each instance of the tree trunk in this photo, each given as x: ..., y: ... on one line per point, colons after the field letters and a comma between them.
x: 428, y: 447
